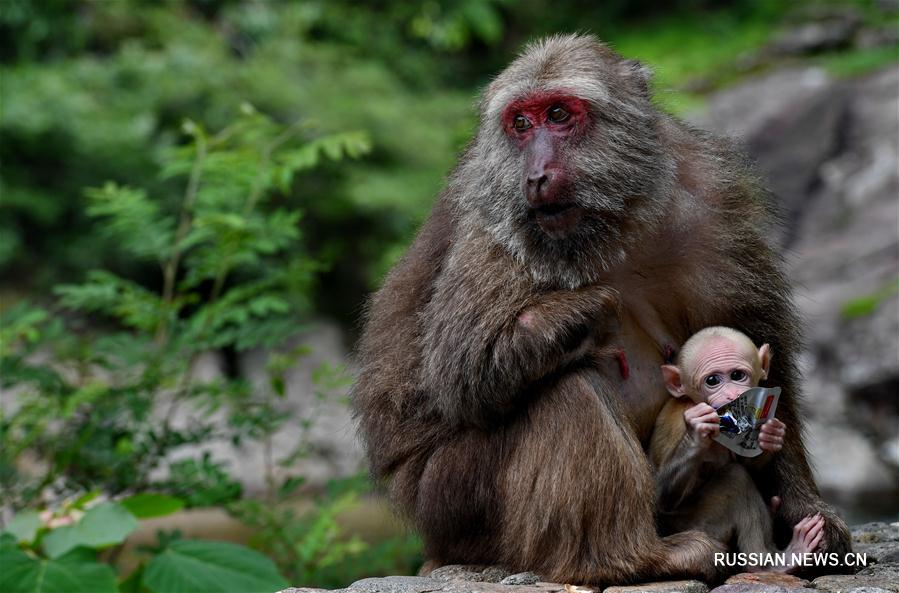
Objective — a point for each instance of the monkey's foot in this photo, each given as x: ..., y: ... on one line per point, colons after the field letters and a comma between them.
x: 689, y: 554
x: 807, y: 537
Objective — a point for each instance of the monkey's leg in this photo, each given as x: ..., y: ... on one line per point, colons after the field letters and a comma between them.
x: 451, y: 495
x: 730, y: 508
x: 735, y: 499
x: 579, y: 495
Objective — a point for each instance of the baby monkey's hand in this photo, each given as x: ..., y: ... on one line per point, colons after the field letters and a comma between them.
x: 702, y: 423
x: 771, y: 435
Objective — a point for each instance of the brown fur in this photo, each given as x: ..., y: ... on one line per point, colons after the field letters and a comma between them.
x: 504, y: 441
x: 717, y: 496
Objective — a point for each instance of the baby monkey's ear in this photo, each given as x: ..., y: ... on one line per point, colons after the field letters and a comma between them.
x: 765, y: 359
x: 673, y: 381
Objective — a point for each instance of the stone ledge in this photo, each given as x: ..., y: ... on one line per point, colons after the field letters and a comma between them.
x: 880, y: 541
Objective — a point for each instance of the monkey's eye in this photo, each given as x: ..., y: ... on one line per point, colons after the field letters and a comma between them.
x: 557, y: 115
x: 521, y: 123
x: 737, y: 375
x: 712, y: 380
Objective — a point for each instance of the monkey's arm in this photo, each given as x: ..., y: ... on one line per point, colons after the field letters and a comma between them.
x: 679, y: 476
x: 385, y: 396
x: 490, y: 334
x: 677, y: 457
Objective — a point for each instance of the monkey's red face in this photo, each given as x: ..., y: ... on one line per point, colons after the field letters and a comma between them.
x: 544, y: 126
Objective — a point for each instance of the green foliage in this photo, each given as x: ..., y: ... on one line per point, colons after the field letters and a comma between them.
x: 60, y: 554
x: 24, y: 526
x: 213, y: 567
x: 861, y: 61
x: 95, y: 405
x: 313, y: 548
x: 201, y: 482
x: 301, y: 543
x: 74, y: 573
x: 866, y: 305
x: 232, y: 276
x: 113, y: 98
x: 147, y: 505
x: 101, y: 526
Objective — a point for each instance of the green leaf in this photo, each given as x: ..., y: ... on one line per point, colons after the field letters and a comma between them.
x: 189, y: 566
x: 146, y: 506
x: 484, y: 20
x: 24, y: 526
x: 132, y: 219
x: 868, y: 304
x: 104, y: 292
x: 133, y: 583
x: 84, y: 396
x: 82, y: 501
x: 353, y: 144
x: 21, y: 323
x: 102, y: 526
x: 73, y: 573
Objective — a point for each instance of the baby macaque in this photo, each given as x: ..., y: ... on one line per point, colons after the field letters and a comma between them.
x: 699, y: 483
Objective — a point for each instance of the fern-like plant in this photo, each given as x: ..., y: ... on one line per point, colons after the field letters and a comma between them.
x: 94, y: 386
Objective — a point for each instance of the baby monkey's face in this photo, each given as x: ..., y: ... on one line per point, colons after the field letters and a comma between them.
x: 722, y: 370
x: 716, y: 366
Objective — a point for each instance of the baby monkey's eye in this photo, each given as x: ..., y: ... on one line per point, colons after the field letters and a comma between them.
x: 712, y: 380
x: 556, y: 114
x: 737, y: 375
x: 521, y: 123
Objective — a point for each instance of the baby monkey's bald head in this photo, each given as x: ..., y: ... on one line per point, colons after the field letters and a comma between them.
x: 716, y: 365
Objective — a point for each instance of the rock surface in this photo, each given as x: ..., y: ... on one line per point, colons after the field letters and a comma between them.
x: 334, y: 449
x: 878, y: 575
x: 824, y: 30
x: 662, y: 587
x: 759, y: 588
x: 787, y: 581
x: 880, y: 541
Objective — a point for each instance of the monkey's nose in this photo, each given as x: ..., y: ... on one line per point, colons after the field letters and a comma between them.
x: 537, y: 181
x: 537, y: 188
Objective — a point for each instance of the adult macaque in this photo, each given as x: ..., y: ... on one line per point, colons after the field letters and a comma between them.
x: 580, y: 218
x: 699, y: 483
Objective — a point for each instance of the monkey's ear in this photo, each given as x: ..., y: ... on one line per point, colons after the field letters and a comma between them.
x: 765, y: 358
x: 640, y: 73
x: 673, y: 382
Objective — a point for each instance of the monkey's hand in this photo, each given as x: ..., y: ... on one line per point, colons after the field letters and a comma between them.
x: 771, y: 435
x: 702, y: 423
x: 568, y: 324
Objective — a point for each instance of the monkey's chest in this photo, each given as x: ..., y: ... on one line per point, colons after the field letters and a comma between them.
x: 637, y: 353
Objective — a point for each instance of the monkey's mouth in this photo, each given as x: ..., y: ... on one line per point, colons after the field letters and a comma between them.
x: 557, y: 218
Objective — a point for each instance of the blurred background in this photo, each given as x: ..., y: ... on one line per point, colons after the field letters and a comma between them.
x: 197, y: 196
